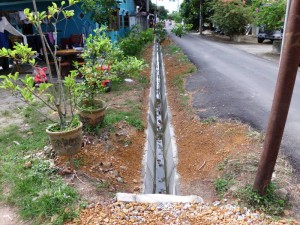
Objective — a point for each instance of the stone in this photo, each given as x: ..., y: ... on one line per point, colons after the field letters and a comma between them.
x: 282, y: 192
x: 120, y: 179
x: 136, y: 188
x: 123, y: 167
x: 28, y: 164
x: 106, y: 165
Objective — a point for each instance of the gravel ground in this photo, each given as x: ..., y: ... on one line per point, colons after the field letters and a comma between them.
x: 172, y: 213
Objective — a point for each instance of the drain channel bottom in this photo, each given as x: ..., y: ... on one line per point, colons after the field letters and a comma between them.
x: 160, y: 174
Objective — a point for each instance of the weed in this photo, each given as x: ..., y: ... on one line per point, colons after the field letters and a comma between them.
x: 92, y: 129
x: 222, y: 185
x: 256, y: 136
x: 209, y: 120
x: 270, y: 203
x: 78, y: 162
x: 102, y: 185
x: 6, y: 113
x: 174, y: 48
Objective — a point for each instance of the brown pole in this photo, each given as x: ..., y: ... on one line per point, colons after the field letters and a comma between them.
x: 289, y: 62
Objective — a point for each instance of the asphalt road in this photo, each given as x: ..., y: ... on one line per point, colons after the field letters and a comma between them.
x: 233, y: 84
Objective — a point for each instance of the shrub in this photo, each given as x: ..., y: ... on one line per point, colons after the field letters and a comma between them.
x: 181, y: 29
x: 269, y: 203
x: 231, y: 17
x: 131, y: 44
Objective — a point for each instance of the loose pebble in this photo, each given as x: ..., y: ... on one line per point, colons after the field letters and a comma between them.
x: 173, y: 213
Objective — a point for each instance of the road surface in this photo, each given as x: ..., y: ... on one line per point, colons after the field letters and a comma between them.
x: 233, y: 84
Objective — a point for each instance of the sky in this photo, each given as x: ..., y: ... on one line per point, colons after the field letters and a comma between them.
x: 170, y: 5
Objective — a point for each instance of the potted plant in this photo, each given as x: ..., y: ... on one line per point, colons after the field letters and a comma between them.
x: 65, y: 132
x: 104, y: 62
x: 98, y: 54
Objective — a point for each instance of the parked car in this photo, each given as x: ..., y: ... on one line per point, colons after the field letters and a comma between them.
x: 269, y: 35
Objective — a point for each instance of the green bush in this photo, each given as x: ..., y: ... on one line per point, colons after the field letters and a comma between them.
x: 181, y: 29
x: 231, y: 17
x: 160, y: 32
x: 131, y: 44
x: 270, y: 203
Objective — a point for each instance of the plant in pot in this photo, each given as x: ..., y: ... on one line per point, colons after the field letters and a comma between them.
x: 99, y: 53
x: 65, y: 132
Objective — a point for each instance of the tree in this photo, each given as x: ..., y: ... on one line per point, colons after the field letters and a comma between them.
x: 176, y: 16
x: 189, y: 11
x: 100, y: 10
x: 231, y: 17
x: 270, y: 15
x: 162, y: 12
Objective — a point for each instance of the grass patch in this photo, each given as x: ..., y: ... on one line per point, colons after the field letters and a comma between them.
x: 6, y: 113
x: 36, y: 190
x: 270, y: 203
x: 132, y: 118
x: 222, y: 185
x: 209, y: 120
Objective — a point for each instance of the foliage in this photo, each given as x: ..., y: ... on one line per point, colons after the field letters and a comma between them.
x: 160, y: 32
x: 222, y: 186
x: 231, y: 17
x: 52, y: 96
x: 132, y: 44
x: 129, y: 66
x: 269, y: 203
x: 189, y: 10
x: 162, y: 12
x: 103, y: 61
x: 176, y: 16
x: 100, y: 11
x: 99, y: 53
x: 270, y: 16
x: 131, y: 118
x: 35, y: 189
x: 181, y: 29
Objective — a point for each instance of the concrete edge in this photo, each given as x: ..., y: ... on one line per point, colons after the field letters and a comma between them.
x: 157, y: 198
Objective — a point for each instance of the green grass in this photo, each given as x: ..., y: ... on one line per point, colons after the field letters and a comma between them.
x: 36, y: 190
x: 5, y: 113
x: 133, y: 118
x: 222, y: 185
x: 270, y: 203
x: 209, y: 120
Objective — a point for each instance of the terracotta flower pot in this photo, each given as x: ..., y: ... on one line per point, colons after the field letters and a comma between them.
x: 66, y: 143
x: 92, y: 117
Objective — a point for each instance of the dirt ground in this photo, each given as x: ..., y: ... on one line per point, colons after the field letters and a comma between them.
x: 203, y: 147
x: 111, y: 162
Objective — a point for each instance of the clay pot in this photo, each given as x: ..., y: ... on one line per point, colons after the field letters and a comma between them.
x: 66, y: 143
x: 92, y: 117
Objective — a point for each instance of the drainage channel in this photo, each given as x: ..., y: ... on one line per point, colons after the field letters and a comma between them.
x: 160, y: 159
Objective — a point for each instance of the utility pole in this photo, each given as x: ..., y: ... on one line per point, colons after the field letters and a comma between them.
x: 200, y: 17
x: 147, y: 10
x: 282, y: 98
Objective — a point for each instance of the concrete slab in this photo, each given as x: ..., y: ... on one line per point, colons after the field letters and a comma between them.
x: 158, y: 198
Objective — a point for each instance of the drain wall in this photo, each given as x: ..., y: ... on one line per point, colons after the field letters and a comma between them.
x: 155, y: 133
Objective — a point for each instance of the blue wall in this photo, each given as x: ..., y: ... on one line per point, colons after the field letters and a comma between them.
x: 129, y: 7
x: 77, y: 25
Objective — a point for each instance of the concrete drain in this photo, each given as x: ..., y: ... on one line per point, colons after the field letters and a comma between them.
x: 160, y: 159
x: 160, y: 151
